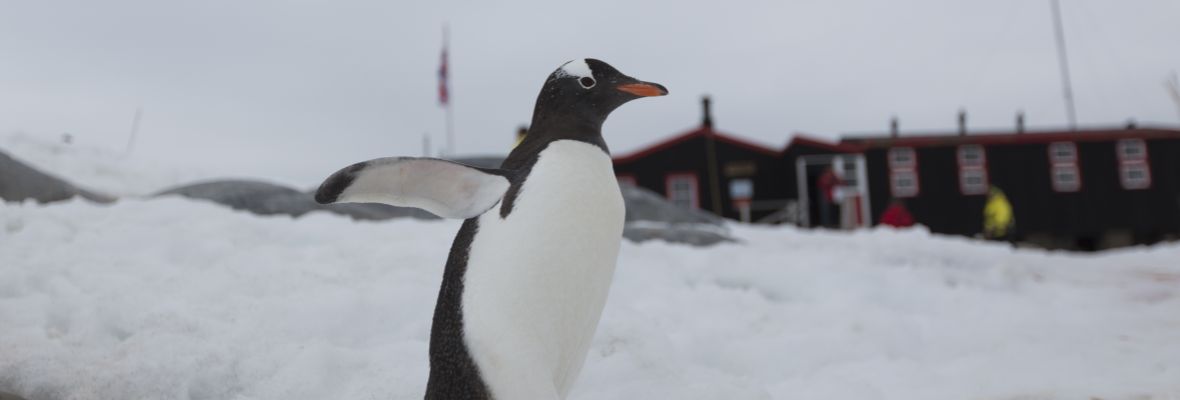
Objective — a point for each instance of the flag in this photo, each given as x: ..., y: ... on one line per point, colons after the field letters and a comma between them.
x: 443, y: 93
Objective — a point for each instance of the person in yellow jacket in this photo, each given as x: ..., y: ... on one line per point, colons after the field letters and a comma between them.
x: 997, y: 215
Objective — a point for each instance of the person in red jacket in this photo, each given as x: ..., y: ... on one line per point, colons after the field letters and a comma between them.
x: 828, y: 203
x: 896, y: 215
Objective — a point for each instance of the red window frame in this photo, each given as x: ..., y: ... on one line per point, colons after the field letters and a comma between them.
x: 1124, y: 175
x: 1073, y: 157
x: 894, y: 188
x: 975, y: 166
x: 1122, y: 145
x: 1138, y: 161
x: 913, y: 163
x: 896, y: 169
x: 696, y: 186
x: 1065, y: 164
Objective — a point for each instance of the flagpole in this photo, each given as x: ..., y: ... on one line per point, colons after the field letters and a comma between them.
x: 134, y: 129
x: 450, y: 115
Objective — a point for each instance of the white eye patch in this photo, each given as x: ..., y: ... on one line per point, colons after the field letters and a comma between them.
x: 576, y: 68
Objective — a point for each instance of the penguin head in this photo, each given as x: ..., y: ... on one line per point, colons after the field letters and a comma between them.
x: 588, y: 90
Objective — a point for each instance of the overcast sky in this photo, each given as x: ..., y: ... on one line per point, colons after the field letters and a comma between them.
x: 291, y: 90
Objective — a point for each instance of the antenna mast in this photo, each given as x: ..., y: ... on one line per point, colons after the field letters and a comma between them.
x: 1063, y: 59
x: 134, y: 129
x: 1172, y: 84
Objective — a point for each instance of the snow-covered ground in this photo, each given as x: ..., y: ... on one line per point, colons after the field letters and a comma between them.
x: 178, y: 299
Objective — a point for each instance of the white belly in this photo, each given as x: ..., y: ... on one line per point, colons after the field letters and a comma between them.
x: 536, y: 282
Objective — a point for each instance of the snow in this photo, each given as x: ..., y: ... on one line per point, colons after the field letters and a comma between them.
x: 170, y: 298
x: 176, y: 299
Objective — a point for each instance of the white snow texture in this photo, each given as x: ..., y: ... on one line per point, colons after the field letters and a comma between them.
x: 178, y: 299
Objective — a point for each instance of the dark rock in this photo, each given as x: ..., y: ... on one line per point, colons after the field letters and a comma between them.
x: 650, y: 216
x: 20, y: 182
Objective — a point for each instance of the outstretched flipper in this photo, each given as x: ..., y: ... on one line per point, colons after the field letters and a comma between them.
x: 445, y: 188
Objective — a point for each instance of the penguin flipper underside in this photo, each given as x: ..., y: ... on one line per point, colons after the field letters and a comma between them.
x: 445, y: 188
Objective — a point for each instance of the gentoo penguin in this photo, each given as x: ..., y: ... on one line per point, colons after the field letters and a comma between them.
x: 529, y: 271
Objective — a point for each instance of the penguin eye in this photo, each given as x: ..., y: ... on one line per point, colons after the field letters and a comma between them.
x: 587, y: 82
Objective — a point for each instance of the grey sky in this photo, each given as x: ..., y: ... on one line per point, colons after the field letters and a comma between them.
x: 291, y: 90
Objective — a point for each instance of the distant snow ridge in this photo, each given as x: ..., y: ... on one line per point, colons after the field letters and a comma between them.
x: 649, y: 216
x: 102, y: 170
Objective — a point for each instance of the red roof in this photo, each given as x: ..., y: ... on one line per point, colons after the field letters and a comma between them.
x: 804, y: 140
x: 858, y: 144
x: 699, y: 132
x: 995, y: 138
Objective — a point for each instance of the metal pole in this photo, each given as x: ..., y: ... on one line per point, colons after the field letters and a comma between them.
x: 450, y: 98
x: 804, y: 207
x: 1173, y: 87
x: 714, y: 184
x: 1063, y: 59
x: 134, y: 129
x: 450, y: 130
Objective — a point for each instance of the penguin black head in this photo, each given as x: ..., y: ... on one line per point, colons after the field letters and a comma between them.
x: 583, y: 93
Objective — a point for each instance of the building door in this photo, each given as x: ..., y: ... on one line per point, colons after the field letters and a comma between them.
x: 853, y: 186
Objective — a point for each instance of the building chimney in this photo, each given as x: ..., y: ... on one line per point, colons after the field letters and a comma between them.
x: 962, y: 122
x: 1131, y: 124
x: 1020, y: 122
x: 893, y: 127
x: 707, y: 112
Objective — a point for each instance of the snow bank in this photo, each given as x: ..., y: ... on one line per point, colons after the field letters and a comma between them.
x: 101, y: 169
x: 179, y: 299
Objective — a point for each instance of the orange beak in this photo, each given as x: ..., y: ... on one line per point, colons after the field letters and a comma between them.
x: 643, y: 89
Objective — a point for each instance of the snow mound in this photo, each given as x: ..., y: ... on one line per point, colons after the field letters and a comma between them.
x: 177, y: 299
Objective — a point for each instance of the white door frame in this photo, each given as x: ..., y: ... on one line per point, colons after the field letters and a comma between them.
x: 862, y: 184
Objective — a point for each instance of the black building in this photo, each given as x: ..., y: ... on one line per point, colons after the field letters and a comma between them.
x: 710, y: 170
x: 1077, y: 189
x: 1084, y: 189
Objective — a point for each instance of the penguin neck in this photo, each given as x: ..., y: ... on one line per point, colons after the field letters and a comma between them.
x: 545, y: 130
x: 566, y: 126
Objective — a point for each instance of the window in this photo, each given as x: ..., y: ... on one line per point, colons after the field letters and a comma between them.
x: 973, y: 180
x: 1134, y: 170
x: 1132, y: 150
x: 971, y: 155
x: 1065, y: 178
x: 903, y: 172
x: 1135, y: 175
x: 901, y: 157
x: 1063, y: 167
x: 903, y: 183
x: 1063, y: 152
x: 682, y: 189
x: 972, y: 170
